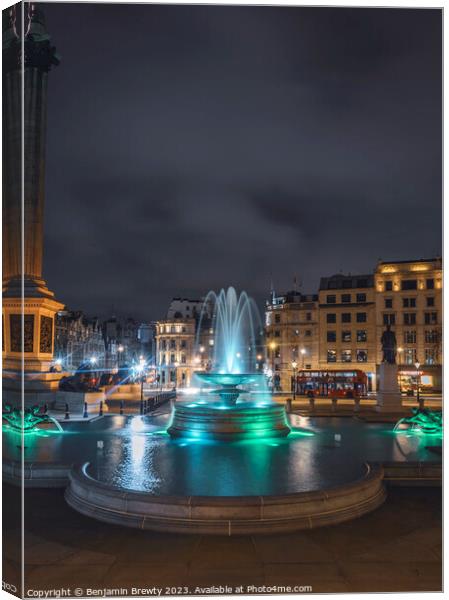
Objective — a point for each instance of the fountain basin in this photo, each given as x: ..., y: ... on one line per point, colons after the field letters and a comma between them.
x: 225, y: 515
x: 242, y: 421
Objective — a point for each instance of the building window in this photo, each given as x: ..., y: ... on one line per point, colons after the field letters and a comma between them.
x: 362, y: 283
x: 346, y: 356
x: 332, y: 299
x: 277, y: 318
x: 389, y: 318
x: 172, y: 344
x: 410, y: 356
x: 183, y: 359
x: 430, y: 284
x: 388, y: 302
x: 361, y: 297
x: 409, y: 302
x: 331, y: 356
x: 346, y: 298
x: 172, y: 329
x: 331, y: 336
x: 409, y: 318
x: 277, y: 333
x: 308, y: 316
x: 183, y: 343
x: 164, y: 345
x: 430, y: 357
x: 345, y: 317
x: 361, y: 335
x: 362, y: 356
x: 307, y: 333
x: 431, y: 336
x: 345, y: 336
x: 183, y: 329
x: 389, y: 286
x: 172, y: 359
x: 409, y: 284
x: 361, y: 317
x: 430, y: 301
x: 430, y: 318
x: 331, y: 318
x: 410, y: 337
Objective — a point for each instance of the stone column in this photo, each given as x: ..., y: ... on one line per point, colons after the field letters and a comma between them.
x: 28, y: 311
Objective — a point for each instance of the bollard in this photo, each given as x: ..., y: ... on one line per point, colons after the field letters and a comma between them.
x: 100, y: 412
x: 121, y: 407
x: 288, y: 405
x: 85, y: 413
x: 67, y: 415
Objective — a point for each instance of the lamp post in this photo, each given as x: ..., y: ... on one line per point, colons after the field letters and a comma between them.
x: 120, y: 350
x: 303, y: 354
x: 400, y: 351
x: 294, y: 367
x: 272, y: 348
x: 417, y: 365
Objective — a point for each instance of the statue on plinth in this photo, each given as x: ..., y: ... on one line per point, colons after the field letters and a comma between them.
x: 389, y: 346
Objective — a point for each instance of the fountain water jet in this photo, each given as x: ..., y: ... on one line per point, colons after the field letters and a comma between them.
x: 235, y: 320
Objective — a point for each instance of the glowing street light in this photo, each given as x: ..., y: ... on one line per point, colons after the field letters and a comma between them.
x: 93, y: 360
x: 294, y: 367
x: 417, y: 365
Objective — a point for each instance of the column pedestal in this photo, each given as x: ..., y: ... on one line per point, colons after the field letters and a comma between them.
x: 388, y: 395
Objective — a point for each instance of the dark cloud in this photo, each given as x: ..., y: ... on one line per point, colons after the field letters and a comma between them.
x: 194, y: 147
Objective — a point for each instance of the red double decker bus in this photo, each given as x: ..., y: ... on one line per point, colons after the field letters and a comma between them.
x: 339, y: 383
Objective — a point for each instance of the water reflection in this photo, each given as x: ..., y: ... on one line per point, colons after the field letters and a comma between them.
x: 137, y: 454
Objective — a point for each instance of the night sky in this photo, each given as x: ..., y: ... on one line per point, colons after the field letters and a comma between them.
x: 194, y: 147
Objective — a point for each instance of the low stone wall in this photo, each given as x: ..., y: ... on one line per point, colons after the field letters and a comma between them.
x: 225, y: 515
x: 42, y: 475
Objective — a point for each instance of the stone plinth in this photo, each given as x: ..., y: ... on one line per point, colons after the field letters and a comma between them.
x: 76, y: 400
x: 388, y: 394
x: 128, y: 391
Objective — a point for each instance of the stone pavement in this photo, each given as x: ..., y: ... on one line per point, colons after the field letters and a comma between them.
x: 395, y: 548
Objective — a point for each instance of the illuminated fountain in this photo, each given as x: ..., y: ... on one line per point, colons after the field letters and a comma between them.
x: 224, y: 415
x: 28, y: 420
x: 421, y: 421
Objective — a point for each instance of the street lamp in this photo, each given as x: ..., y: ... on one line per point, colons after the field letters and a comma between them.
x: 294, y: 367
x: 272, y: 348
x: 400, y: 351
x: 120, y: 349
x: 417, y: 365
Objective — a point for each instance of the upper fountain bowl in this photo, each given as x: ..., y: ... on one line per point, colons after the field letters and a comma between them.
x: 227, y: 379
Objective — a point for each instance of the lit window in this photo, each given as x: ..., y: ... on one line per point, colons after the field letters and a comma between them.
x: 331, y: 356
x: 410, y: 337
x: 361, y: 335
x: 362, y: 356
x: 345, y: 336
x: 346, y: 356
